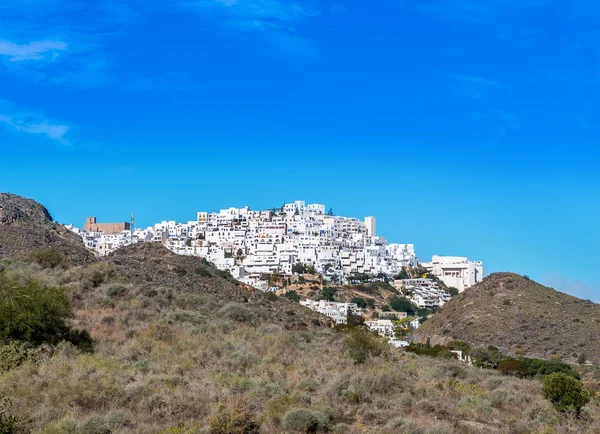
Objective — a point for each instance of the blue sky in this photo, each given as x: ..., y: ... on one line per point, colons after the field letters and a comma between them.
x: 467, y: 127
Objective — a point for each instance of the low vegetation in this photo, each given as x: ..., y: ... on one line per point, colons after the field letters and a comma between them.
x: 177, y: 352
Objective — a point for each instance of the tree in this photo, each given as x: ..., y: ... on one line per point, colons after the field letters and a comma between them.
x: 292, y: 295
x: 581, y: 359
x: 513, y: 367
x: 453, y: 291
x: 459, y: 345
x: 371, y: 303
x: 402, y: 304
x: 565, y: 392
x: 489, y: 357
x: 328, y: 294
x: 360, y: 302
x: 403, y: 274
x: 361, y: 344
x: 33, y: 313
x: 355, y: 320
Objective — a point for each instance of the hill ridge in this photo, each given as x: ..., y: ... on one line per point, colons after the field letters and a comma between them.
x: 521, y: 317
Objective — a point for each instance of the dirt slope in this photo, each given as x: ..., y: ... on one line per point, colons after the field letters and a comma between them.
x: 519, y: 316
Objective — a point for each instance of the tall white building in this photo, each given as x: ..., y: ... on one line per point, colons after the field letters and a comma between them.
x: 456, y: 271
x: 370, y: 223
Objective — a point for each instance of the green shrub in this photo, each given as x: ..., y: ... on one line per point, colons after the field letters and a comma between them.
x: 515, y: 368
x: 538, y: 367
x: 292, y: 295
x: 328, y: 294
x: 99, y: 273
x: 360, y: 302
x: 203, y: 272
x: 236, y: 312
x: 15, y: 353
x: 402, y: 304
x: 94, y: 425
x: 47, y: 258
x: 235, y: 421
x: 182, y: 429
x: 116, y: 290
x: 361, y: 344
x: 489, y: 357
x: 30, y: 312
x: 8, y: 422
x: 271, y: 296
x: 565, y: 392
x: 303, y: 420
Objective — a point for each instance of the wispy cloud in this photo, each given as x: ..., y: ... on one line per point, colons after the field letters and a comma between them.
x: 338, y: 10
x: 36, y: 50
x: 476, y: 10
x: 281, y: 22
x: 25, y: 122
x: 479, y: 81
x: 59, y: 41
x: 476, y: 87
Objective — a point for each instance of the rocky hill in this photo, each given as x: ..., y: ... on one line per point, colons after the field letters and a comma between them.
x: 26, y: 226
x: 521, y: 317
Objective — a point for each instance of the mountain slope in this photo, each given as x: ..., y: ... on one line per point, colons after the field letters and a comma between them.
x: 519, y: 316
x: 26, y: 226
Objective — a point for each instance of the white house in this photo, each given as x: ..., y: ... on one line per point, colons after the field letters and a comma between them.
x: 455, y: 271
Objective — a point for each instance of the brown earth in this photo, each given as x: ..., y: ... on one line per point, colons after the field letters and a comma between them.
x: 521, y: 317
x: 26, y: 226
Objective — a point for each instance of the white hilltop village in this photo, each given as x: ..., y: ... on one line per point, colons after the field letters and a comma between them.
x: 252, y: 245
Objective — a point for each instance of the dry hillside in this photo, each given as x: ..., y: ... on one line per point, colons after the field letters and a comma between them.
x: 26, y: 226
x: 180, y: 347
x: 521, y: 317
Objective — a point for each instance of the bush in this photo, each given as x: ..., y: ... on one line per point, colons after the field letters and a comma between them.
x: 453, y: 291
x: 515, y: 368
x: 292, y: 295
x: 116, y: 290
x: 459, y: 345
x: 99, y: 273
x: 203, y: 271
x: 235, y: 421
x: 489, y: 357
x: 328, y: 294
x: 361, y: 344
x: 14, y: 354
x: 360, y: 302
x: 47, y: 258
x: 538, y: 367
x: 402, y: 304
x: 303, y: 420
x: 30, y: 312
x: 8, y: 422
x: 94, y: 425
x: 237, y: 312
x: 565, y: 392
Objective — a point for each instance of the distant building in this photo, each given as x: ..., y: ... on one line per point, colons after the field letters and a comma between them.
x: 371, y: 225
x: 106, y: 228
x: 456, y: 271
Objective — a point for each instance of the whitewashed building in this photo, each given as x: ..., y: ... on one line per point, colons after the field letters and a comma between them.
x: 455, y: 271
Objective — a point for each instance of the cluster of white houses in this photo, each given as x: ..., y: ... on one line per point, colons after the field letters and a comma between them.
x: 423, y: 292
x: 338, y: 312
x: 251, y: 244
